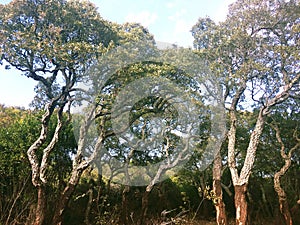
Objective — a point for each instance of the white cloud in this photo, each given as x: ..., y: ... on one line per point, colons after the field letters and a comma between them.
x: 178, y: 15
x: 178, y: 33
x: 182, y: 26
x: 182, y: 31
x: 222, y: 11
x: 145, y: 18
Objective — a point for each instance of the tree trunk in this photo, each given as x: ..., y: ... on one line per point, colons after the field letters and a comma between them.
x: 41, y: 206
x: 88, y: 207
x: 283, y: 204
x: 145, y: 204
x: 241, y: 180
x: 221, y: 218
x: 62, y: 203
x: 285, y: 211
x: 124, y: 213
x: 241, y: 204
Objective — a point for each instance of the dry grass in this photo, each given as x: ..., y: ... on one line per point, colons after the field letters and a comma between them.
x: 187, y: 222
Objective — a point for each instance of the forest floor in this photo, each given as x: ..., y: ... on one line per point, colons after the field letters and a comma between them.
x: 185, y: 222
x: 205, y: 222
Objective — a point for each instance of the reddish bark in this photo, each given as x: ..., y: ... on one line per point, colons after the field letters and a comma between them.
x: 41, y: 206
x: 221, y: 218
x: 241, y: 205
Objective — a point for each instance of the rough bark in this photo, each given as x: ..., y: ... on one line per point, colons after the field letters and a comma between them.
x: 39, y: 167
x: 79, y: 165
x: 282, y: 198
x: 221, y: 218
x: 283, y: 203
x: 65, y: 197
x: 241, y: 180
x: 241, y: 205
x: 31, y: 153
x: 41, y: 206
x: 285, y: 211
x: 232, y: 136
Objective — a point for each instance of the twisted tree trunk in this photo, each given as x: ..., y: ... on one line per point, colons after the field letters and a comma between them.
x: 283, y: 203
x: 282, y: 198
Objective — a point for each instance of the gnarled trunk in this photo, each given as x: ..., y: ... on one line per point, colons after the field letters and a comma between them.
x: 285, y: 211
x: 241, y: 205
x: 283, y: 204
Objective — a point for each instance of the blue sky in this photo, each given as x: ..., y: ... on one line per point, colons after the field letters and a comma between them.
x: 168, y: 20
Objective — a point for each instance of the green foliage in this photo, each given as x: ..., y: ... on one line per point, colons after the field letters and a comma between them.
x: 256, y: 45
x: 43, y: 34
x: 21, y: 128
x: 56, y: 41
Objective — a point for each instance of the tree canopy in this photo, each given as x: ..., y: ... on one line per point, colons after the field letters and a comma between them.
x: 225, y: 113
